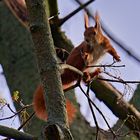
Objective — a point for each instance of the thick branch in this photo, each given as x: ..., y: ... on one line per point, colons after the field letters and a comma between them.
x: 15, y: 134
x: 113, y: 99
x: 47, y: 65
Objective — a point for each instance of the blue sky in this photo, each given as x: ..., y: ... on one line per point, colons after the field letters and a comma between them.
x: 123, y: 19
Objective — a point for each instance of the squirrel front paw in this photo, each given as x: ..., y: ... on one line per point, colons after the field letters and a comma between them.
x: 117, y: 58
x: 86, y: 77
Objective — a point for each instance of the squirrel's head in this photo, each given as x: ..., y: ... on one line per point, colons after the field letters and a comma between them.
x: 93, y: 35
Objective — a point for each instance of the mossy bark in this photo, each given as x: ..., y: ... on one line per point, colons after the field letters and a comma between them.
x: 20, y: 69
x: 17, y: 59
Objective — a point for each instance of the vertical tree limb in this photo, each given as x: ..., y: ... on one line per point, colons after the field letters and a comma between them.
x: 48, y: 69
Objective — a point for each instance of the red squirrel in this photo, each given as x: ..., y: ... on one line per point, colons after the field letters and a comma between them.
x: 89, y: 52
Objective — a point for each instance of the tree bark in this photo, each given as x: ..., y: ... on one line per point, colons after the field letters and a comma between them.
x: 18, y: 60
x: 15, y: 134
x: 114, y: 100
x: 15, y: 53
x: 49, y: 71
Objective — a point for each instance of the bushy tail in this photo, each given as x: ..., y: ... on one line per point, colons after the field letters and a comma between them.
x: 40, y: 109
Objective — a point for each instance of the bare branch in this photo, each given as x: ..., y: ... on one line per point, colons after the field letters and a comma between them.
x: 119, y: 81
x: 97, y: 110
x: 10, y: 108
x: 15, y: 113
x: 24, y: 123
x: 62, y: 21
x: 108, y: 65
x: 66, y: 66
x: 113, y: 99
x: 15, y: 134
x: 92, y: 111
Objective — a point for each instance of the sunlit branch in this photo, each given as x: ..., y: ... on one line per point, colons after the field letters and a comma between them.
x: 66, y: 66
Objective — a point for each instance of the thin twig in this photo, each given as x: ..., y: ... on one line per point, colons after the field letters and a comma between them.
x: 6, y: 118
x: 113, y: 37
x: 98, y: 111
x: 10, y: 108
x: 107, y: 65
x: 119, y: 81
x: 62, y: 21
x: 121, y: 126
x: 15, y: 113
x: 24, y: 123
x: 129, y: 133
x: 92, y: 111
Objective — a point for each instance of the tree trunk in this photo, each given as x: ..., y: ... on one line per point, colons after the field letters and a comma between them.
x: 18, y: 60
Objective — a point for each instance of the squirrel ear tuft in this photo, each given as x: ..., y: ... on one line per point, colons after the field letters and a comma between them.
x: 86, y: 20
x: 97, y: 17
x: 97, y: 21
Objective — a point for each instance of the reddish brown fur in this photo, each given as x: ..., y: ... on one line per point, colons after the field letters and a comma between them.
x: 87, y: 53
x: 40, y: 109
